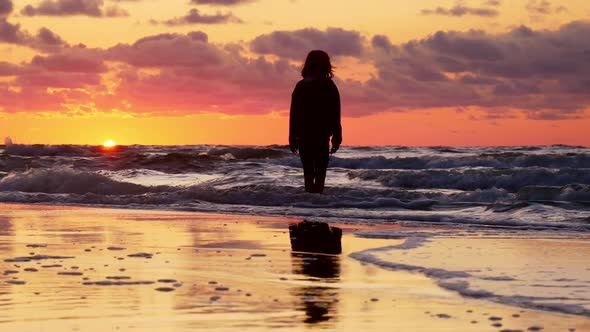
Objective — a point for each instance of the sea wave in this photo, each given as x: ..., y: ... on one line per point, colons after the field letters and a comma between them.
x: 246, y: 153
x: 51, y: 150
x: 571, y: 192
x: 493, y: 160
x: 506, y: 187
x: 62, y: 180
x: 512, y: 179
x: 230, y: 190
x: 226, y: 152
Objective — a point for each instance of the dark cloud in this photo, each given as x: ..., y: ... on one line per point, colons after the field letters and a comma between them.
x: 48, y: 37
x: 296, y: 44
x: 221, y: 2
x: 92, y: 8
x: 194, y: 16
x: 45, y: 39
x: 523, y: 69
x: 460, y: 9
x: 382, y: 42
x: 6, y: 7
x: 11, y: 33
x: 75, y: 61
x: 166, y: 50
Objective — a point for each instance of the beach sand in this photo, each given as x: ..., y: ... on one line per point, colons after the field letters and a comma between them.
x: 90, y: 269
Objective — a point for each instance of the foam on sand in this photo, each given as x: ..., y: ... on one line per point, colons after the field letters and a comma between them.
x: 534, y: 273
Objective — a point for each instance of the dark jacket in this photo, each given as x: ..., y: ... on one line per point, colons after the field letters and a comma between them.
x: 315, y: 112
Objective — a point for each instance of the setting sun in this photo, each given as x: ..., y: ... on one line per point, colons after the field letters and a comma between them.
x: 109, y: 144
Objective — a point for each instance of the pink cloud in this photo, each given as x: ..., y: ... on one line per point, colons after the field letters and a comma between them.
x: 541, y: 73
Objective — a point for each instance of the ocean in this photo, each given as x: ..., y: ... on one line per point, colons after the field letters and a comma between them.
x: 528, y: 187
x: 479, y: 197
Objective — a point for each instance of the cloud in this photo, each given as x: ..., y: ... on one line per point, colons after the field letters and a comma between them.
x: 544, y: 7
x: 8, y: 69
x: 459, y: 9
x: 75, y: 60
x: 32, y: 99
x: 221, y: 2
x: 194, y: 16
x: 539, y: 7
x: 115, y: 11
x: 493, y: 3
x: 65, y: 80
x: 6, y: 7
x: 296, y: 44
x: 542, y: 74
x: 92, y: 8
x: 45, y: 39
x: 538, y: 72
x: 196, y: 76
x: 382, y: 42
x: 60, y: 82
x: 11, y: 33
x: 166, y: 50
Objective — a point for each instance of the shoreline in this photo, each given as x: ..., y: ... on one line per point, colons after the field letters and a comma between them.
x: 205, y: 265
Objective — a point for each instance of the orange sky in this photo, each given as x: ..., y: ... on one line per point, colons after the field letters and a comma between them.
x: 423, y: 73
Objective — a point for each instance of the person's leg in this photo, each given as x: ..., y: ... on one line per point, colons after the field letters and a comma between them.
x: 321, y: 158
x: 308, y: 170
x: 321, y: 166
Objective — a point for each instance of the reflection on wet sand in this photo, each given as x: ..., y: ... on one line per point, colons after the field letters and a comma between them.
x: 318, y: 299
x: 96, y: 270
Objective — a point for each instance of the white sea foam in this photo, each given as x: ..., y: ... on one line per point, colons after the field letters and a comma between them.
x: 541, y: 274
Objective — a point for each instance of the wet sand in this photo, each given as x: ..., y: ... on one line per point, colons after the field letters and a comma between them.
x: 88, y: 269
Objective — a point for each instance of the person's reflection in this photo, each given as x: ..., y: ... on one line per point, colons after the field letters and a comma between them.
x: 318, y: 300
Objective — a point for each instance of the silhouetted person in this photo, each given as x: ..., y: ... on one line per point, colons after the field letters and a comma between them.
x: 314, y: 118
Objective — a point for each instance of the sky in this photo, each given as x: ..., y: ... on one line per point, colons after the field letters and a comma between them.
x: 456, y: 73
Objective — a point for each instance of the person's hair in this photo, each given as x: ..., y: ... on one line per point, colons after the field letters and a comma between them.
x: 317, y: 64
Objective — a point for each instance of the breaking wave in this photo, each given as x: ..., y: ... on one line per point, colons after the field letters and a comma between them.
x: 492, y: 160
x: 64, y: 180
x: 475, y: 178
